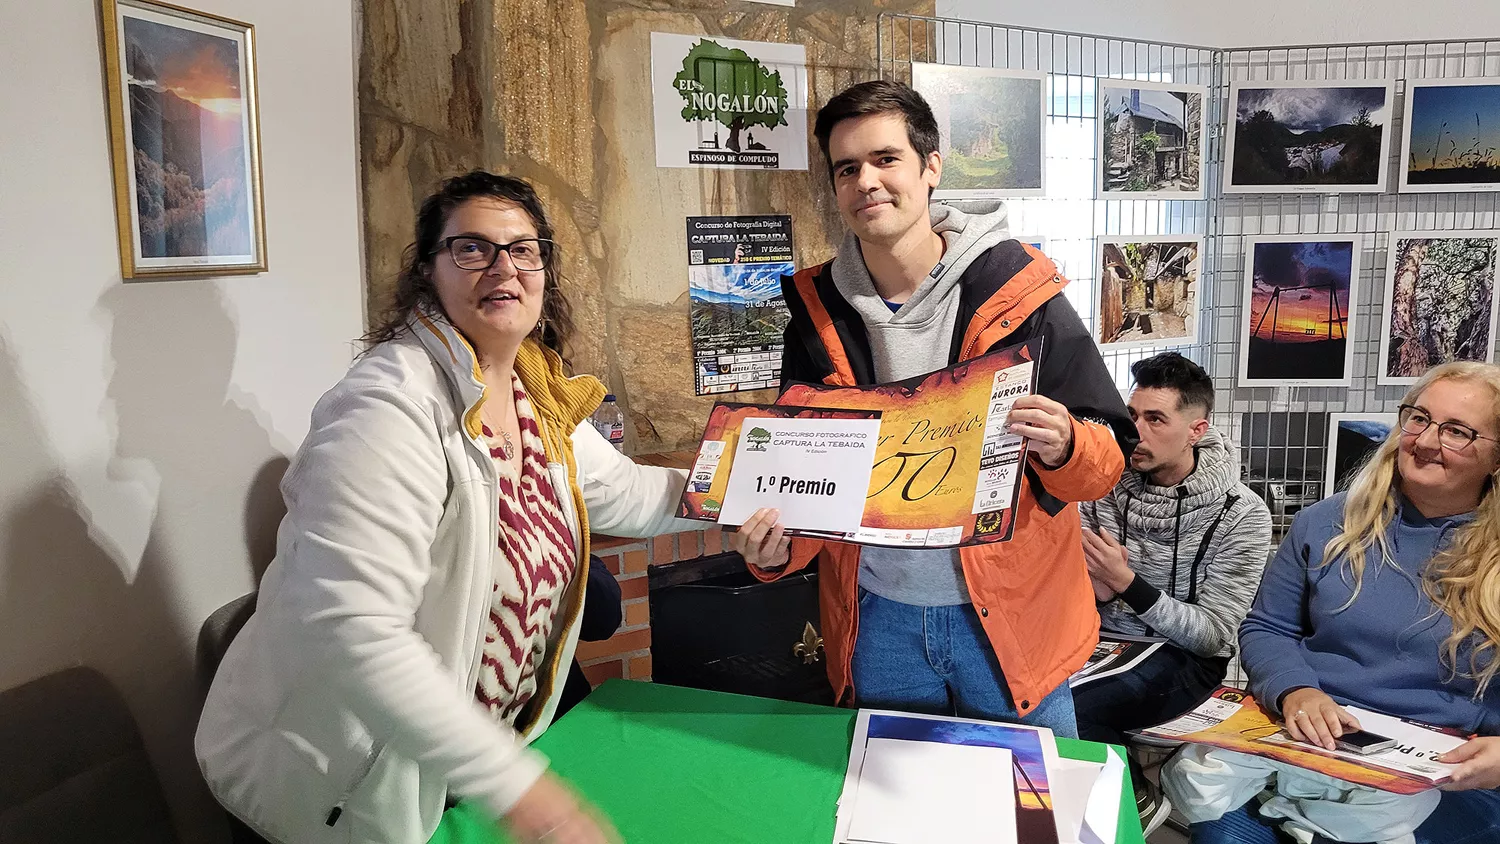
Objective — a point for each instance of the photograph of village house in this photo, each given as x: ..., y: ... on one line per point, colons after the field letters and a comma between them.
x: 1314, y: 137
x: 1151, y: 140
x: 1452, y: 137
x: 1148, y: 291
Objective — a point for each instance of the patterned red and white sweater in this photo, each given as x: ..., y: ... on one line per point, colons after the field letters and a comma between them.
x: 536, y: 563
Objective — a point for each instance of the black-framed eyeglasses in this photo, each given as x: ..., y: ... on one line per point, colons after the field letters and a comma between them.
x: 475, y: 253
x: 1454, y: 436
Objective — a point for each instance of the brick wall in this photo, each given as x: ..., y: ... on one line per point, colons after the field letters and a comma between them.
x: 628, y: 653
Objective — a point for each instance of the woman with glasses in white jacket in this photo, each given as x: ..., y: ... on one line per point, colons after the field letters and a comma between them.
x: 415, y: 629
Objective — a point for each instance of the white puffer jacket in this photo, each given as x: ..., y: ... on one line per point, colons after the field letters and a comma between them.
x: 345, y: 709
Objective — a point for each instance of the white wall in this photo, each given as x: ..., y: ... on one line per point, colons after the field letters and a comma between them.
x: 143, y: 425
x: 1216, y: 23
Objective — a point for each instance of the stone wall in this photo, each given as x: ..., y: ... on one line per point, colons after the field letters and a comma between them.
x: 557, y: 92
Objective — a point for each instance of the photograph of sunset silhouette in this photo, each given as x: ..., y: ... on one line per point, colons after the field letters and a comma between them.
x: 1452, y: 137
x: 1298, y: 302
x: 189, y: 142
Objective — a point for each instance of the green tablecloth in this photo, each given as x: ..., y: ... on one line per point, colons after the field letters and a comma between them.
x: 681, y: 766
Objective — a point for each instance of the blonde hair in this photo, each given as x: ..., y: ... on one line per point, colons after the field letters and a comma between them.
x: 1463, y: 579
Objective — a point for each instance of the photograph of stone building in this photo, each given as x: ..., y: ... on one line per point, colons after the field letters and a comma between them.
x: 1150, y: 140
x: 1148, y: 291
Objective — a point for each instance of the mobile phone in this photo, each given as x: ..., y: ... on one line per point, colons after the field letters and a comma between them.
x: 1363, y: 742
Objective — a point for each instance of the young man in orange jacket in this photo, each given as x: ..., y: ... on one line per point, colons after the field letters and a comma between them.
x: 988, y: 631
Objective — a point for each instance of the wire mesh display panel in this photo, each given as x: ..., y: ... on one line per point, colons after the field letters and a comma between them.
x: 1283, y: 432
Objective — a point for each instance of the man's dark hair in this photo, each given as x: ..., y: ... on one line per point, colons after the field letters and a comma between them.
x: 1172, y: 370
x: 881, y: 96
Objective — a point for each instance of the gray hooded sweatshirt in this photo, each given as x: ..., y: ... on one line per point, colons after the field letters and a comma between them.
x: 1197, y: 548
x: 915, y: 340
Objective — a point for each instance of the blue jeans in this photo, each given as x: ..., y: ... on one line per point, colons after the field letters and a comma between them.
x: 1169, y: 683
x: 1463, y: 817
x: 938, y: 661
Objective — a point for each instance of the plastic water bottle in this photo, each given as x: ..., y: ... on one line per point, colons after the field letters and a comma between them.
x: 610, y: 422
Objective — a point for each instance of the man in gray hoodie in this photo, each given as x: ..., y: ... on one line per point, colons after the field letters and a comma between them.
x: 1175, y: 551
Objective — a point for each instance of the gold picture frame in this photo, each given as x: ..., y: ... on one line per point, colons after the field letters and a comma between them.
x: 184, y: 129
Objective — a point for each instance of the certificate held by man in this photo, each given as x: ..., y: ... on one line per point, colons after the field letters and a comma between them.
x: 815, y: 471
x: 944, y: 469
x: 811, y: 463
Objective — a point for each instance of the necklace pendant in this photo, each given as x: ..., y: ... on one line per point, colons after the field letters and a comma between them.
x: 507, y: 449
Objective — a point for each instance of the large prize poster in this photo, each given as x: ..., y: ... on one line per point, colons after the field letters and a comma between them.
x: 735, y: 265
x: 946, y: 472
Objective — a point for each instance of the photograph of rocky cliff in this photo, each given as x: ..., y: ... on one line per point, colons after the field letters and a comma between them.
x: 1440, y: 302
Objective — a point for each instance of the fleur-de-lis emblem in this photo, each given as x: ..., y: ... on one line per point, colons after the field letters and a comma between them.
x: 810, y: 645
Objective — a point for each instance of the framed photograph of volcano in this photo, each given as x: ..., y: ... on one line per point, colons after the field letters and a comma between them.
x: 1298, y: 314
x: 1440, y: 302
x: 1452, y: 136
x: 1309, y: 137
x: 185, y: 140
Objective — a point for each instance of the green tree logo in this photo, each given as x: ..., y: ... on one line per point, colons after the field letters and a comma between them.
x: 732, y: 88
x: 758, y: 438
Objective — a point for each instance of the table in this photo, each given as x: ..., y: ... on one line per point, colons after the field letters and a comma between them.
x: 671, y: 765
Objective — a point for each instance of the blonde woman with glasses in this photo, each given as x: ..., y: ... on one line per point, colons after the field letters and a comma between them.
x: 1386, y: 597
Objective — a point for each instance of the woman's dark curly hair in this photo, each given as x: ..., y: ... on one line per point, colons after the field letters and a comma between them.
x: 414, y: 287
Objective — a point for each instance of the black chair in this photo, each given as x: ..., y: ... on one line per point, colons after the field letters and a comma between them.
x: 214, y: 637
x: 73, y: 767
x: 218, y: 630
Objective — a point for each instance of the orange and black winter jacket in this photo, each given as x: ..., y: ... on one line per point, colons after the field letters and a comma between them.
x: 1032, y: 593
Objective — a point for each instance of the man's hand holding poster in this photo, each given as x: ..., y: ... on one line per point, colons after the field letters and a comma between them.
x: 943, y: 471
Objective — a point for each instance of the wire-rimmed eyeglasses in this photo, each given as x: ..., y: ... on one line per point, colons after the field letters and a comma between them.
x: 1454, y: 436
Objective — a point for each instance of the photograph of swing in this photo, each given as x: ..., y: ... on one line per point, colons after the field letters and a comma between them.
x: 1299, y: 311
